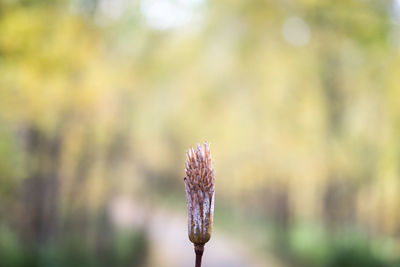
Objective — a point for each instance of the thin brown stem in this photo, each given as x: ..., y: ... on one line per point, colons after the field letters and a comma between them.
x: 198, y: 249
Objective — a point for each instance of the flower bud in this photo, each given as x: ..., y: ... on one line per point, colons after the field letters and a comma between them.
x: 199, y: 186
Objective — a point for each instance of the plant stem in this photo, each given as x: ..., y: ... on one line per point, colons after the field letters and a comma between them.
x: 198, y: 249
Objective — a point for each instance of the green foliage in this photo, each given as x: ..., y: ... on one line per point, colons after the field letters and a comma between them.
x: 126, y: 249
x: 11, y: 251
x: 354, y: 257
x: 311, y: 245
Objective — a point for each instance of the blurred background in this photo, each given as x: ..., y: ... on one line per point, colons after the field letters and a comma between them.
x: 300, y: 101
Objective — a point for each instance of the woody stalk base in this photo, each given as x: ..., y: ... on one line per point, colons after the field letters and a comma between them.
x: 198, y: 249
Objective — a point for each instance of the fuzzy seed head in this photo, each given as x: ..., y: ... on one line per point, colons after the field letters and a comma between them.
x: 199, y: 186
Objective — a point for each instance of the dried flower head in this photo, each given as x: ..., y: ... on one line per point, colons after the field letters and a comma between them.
x: 199, y: 185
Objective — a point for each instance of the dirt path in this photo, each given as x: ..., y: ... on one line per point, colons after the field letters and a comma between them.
x: 169, y: 243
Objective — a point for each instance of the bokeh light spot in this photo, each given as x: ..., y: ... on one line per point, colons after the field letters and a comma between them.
x: 164, y: 14
x: 296, y: 31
